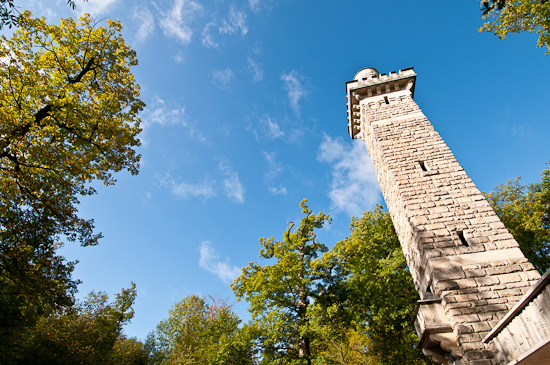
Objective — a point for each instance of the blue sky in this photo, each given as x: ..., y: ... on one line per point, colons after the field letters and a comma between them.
x: 246, y: 116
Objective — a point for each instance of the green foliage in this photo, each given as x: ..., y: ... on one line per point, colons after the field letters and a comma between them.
x: 88, y: 333
x: 200, y: 331
x: 381, y: 294
x: 129, y: 351
x: 507, y: 16
x: 68, y: 116
x: 525, y: 211
x: 281, y: 293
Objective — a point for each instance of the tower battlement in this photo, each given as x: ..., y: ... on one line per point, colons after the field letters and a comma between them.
x: 369, y: 83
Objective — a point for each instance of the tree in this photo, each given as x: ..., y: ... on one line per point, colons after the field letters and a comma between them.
x: 201, y: 331
x: 281, y: 294
x: 87, y: 333
x: 381, y: 294
x: 508, y: 16
x: 525, y: 211
x: 68, y: 116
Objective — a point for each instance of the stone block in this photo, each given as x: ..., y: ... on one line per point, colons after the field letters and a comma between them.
x: 487, y: 281
x: 464, y: 329
x: 475, y: 273
x: 481, y: 326
x: 481, y: 362
x: 467, y: 283
x: 504, y: 269
x: 509, y: 278
x: 467, y: 297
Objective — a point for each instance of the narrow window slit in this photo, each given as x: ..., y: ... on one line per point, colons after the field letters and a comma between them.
x: 429, y: 294
x: 386, y: 100
x: 422, y: 165
x: 462, y: 238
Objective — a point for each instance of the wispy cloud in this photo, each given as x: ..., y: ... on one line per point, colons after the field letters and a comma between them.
x: 204, y: 189
x: 274, y: 168
x: 231, y: 183
x: 162, y: 114
x: 177, y: 22
x: 254, y: 4
x: 258, y: 5
x: 354, y: 187
x: 208, y: 37
x: 272, y: 129
x: 519, y: 130
x: 293, y: 83
x: 272, y: 174
x: 96, y: 7
x: 179, y: 58
x: 222, y: 78
x: 256, y: 70
x: 225, y: 179
x: 146, y: 22
x: 281, y: 190
x: 211, y: 262
x: 235, y: 22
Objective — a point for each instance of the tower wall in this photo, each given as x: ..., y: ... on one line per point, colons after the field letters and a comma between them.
x: 466, y: 266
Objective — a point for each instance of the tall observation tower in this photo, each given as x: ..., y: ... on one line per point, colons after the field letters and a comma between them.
x: 468, y: 269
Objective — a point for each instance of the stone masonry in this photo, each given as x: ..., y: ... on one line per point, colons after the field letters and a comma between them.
x: 466, y: 266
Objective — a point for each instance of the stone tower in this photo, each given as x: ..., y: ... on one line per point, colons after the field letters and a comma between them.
x: 466, y: 266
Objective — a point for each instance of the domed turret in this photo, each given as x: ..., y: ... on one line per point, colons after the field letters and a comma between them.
x: 368, y: 73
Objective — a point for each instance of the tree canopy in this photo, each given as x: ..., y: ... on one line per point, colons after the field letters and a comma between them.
x: 506, y: 16
x: 87, y: 333
x: 281, y: 294
x: 201, y: 331
x: 349, y: 305
x: 381, y: 294
x: 525, y: 211
x: 68, y: 116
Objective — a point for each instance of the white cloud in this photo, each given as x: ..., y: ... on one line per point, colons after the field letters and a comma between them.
x: 520, y: 130
x: 96, y: 7
x: 159, y: 113
x: 222, y: 78
x: 207, y: 38
x: 354, y: 187
x: 208, y: 187
x: 274, y: 170
x: 257, y: 5
x: 254, y: 4
x: 204, y: 189
x: 235, y: 21
x: 231, y: 183
x: 177, y: 22
x: 146, y: 23
x: 271, y: 128
x: 211, y: 262
x: 293, y: 83
x: 281, y: 190
x: 179, y: 58
x: 256, y: 70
